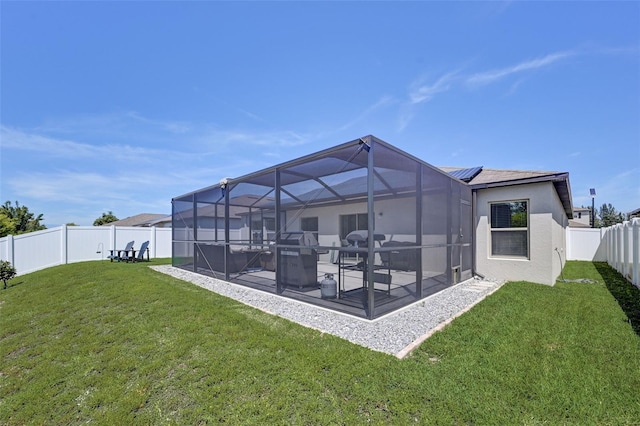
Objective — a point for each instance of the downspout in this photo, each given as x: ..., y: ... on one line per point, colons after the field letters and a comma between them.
x: 474, y: 230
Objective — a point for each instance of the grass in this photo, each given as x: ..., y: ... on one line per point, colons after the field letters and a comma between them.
x: 114, y: 343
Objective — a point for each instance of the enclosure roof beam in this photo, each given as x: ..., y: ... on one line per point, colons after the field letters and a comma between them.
x: 320, y: 181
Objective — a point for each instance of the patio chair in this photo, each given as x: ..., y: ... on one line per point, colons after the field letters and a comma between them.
x: 140, y: 257
x: 116, y: 254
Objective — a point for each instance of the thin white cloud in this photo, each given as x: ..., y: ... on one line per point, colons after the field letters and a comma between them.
x: 218, y: 138
x: 420, y: 92
x: 514, y: 87
x: 252, y: 116
x: 120, y: 123
x: 121, y: 190
x: 405, y: 117
x: 177, y: 127
x: 17, y: 139
x: 488, y: 77
x: 65, y: 186
x: 380, y: 103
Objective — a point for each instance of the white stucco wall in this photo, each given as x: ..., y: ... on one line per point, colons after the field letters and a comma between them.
x: 547, y: 222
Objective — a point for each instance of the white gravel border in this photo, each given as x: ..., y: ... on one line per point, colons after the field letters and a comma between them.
x: 397, y: 333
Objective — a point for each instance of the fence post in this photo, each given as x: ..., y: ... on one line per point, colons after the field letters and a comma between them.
x: 112, y: 237
x: 612, y: 239
x: 635, y: 226
x: 609, y: 246
x: 10, y: 252
x: 152, y: 243
x: 614, y: 254
x: 63, y: 245
x: 620, y: 263
x: 626, y: 256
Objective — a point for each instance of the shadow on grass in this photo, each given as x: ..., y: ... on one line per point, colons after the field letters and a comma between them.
x: 10, y: 284
x: 627, y: 295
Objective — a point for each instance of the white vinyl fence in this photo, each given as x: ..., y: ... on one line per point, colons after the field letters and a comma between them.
x: 617, y: 245
x: 623, y: 249
x: 68, y: 244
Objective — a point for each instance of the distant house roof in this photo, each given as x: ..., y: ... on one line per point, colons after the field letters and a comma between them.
x: 493, y: 178
x: 143, y: 219
x: 578, y: 224
x: 634, y: 213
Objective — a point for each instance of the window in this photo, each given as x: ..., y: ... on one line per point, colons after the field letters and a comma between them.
x: 352, y: 222
x: 349, y: 223
x: 510, y: 229
x: 310, y: 224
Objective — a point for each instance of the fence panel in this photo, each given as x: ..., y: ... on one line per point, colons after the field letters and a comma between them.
x: 4, y: 247
x: 586, y: 244
x: 37, y: 250
x: 623, y: 253
x: 87, y: 243
x: 163, y: 243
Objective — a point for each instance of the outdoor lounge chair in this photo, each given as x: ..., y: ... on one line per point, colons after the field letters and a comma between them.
x: 117, y: 254
x: 143, y: 248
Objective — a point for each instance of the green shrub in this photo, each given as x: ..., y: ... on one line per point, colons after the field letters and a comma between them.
x: 7, y: 271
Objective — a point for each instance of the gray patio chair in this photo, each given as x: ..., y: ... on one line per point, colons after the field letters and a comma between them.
x: 116, y: 254
x: 140, y: 256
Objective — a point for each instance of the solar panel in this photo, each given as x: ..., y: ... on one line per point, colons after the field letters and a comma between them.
x: 466, y: 175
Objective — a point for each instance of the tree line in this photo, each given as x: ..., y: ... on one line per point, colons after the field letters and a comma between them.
x: 17, y: 219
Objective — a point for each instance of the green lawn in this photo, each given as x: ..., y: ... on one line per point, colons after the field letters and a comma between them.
x: 116, y: 343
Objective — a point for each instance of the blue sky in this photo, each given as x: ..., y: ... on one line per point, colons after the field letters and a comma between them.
x: 123, y: 105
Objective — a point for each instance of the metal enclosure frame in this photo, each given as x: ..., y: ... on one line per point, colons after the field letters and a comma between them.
x: 420, y: 217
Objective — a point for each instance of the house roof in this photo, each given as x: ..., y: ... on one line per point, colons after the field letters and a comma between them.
x: 493, y: 178
x: 142, y: 219
x: 578, y: 224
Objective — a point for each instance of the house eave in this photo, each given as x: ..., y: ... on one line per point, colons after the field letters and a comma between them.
x: 560, y: 182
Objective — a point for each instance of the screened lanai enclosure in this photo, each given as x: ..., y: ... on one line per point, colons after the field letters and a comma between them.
x: 362, y: 228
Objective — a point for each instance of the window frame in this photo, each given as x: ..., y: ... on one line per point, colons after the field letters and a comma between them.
x: 524, y: 229
x: 306, y: 220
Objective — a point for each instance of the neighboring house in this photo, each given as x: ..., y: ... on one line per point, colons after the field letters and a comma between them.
x: 633, y: 213
x: 433, y: 227
x: 143, y: 219
x: 581, y: 218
